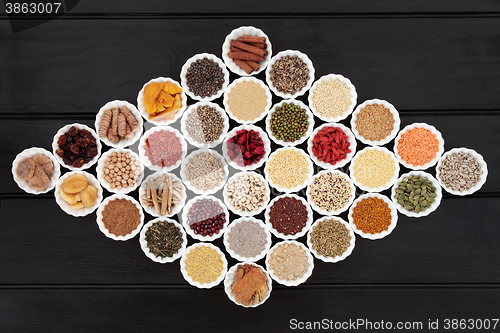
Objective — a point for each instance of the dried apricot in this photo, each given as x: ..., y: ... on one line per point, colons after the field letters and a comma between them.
x: 74, y: 183
x: 89, y: 196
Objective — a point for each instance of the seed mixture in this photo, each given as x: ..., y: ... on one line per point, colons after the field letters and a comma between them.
x: 415, y: 193
x: 331, y: 98
x: 374, y: 122
x: 204, y: 264
x: 372, y: 215
x: 205, y: 124
x: 330, y: 191
x: 204, y: 78
x: 205, y: 171
x: 460, y: 171
x: 289, y: 74
x: 247, y: 239
x: 330, y: 238
x: 374, y: 168
x: 288, y: 262
x: 289, y: 122
x: 288, y: 168
x: 247, y: 193
x: 247, y: 100
x: 418, y: 146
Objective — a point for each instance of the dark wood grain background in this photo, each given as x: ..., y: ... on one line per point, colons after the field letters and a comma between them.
x: 436, y: 61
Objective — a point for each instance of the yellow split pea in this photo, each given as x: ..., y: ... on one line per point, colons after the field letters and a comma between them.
x: 288, y: 168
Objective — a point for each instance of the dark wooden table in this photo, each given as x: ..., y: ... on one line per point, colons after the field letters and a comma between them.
x: 437, y: 61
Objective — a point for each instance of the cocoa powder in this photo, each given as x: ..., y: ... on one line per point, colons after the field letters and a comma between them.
x: 121, y: 217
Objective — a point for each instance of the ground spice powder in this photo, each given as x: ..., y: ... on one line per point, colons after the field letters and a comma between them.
x: 247, y: 100
x: 288, y: 262
x: 372, y: 215
x: 121, y: 217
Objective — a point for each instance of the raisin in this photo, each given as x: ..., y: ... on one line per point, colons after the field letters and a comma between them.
x: 60, y: 152
x: 91, y: 152
x: 67, y: 161
x: 82, y: 142
x: 73, y: 131
x: 61, y: 140
x: 74, y: 148
x: 78, y: 163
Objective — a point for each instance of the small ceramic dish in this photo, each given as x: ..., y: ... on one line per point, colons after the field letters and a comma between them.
x: 245, y: 31
x: 432, y: 205
x: 290, y: 283
x: 306, y: 135
x: 339, y: 164
x: 123, y: 142
x: 240, y: 212
x: 101, y: 167
x: 480, y: 160
x: 337, y: 258
x: 203, y: 177
x: 262, y: 135
x: 268, y: 171
x: 289, y: 236
x: 250, y: 99
x: 394, y: 216
x: 63, y: 131
x: 390, y: 136
x: 246, y: 240
x: 103, y: 228
x: 335, y: 193
x: 145, y: 247
x: 374, y: 170
x: 198, y: 284
x: 145, y: 159
x: 187, y: 65
x: 65, y: 206
x: 176, y: 209
x: 230, y: 277
x: 432, y: 162
x: 187, y: 211
x: 163, y: 121
x: 30, y: 153
x: 290, y: 53
x: 332, y: 103
x: 190, y: 139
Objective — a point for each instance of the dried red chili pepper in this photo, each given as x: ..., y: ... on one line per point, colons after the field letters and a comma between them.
x: 163, y: 148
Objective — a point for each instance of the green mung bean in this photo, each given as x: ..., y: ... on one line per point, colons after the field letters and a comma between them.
x: 289, y: 122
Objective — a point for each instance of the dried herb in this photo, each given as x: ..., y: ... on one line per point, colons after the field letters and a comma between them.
x: 164, y: 239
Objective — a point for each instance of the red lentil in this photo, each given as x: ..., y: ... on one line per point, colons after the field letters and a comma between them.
x: 372, y: 215
x: 418, y: 146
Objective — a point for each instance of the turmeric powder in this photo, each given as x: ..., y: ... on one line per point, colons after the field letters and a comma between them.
x: 104, y: 123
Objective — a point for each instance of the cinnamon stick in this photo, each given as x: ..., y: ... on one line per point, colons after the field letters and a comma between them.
x: 249, y: 48
x: 245, y: 56
x: 252, y: 39
x: 243, y: 65
x: 255, y: 66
